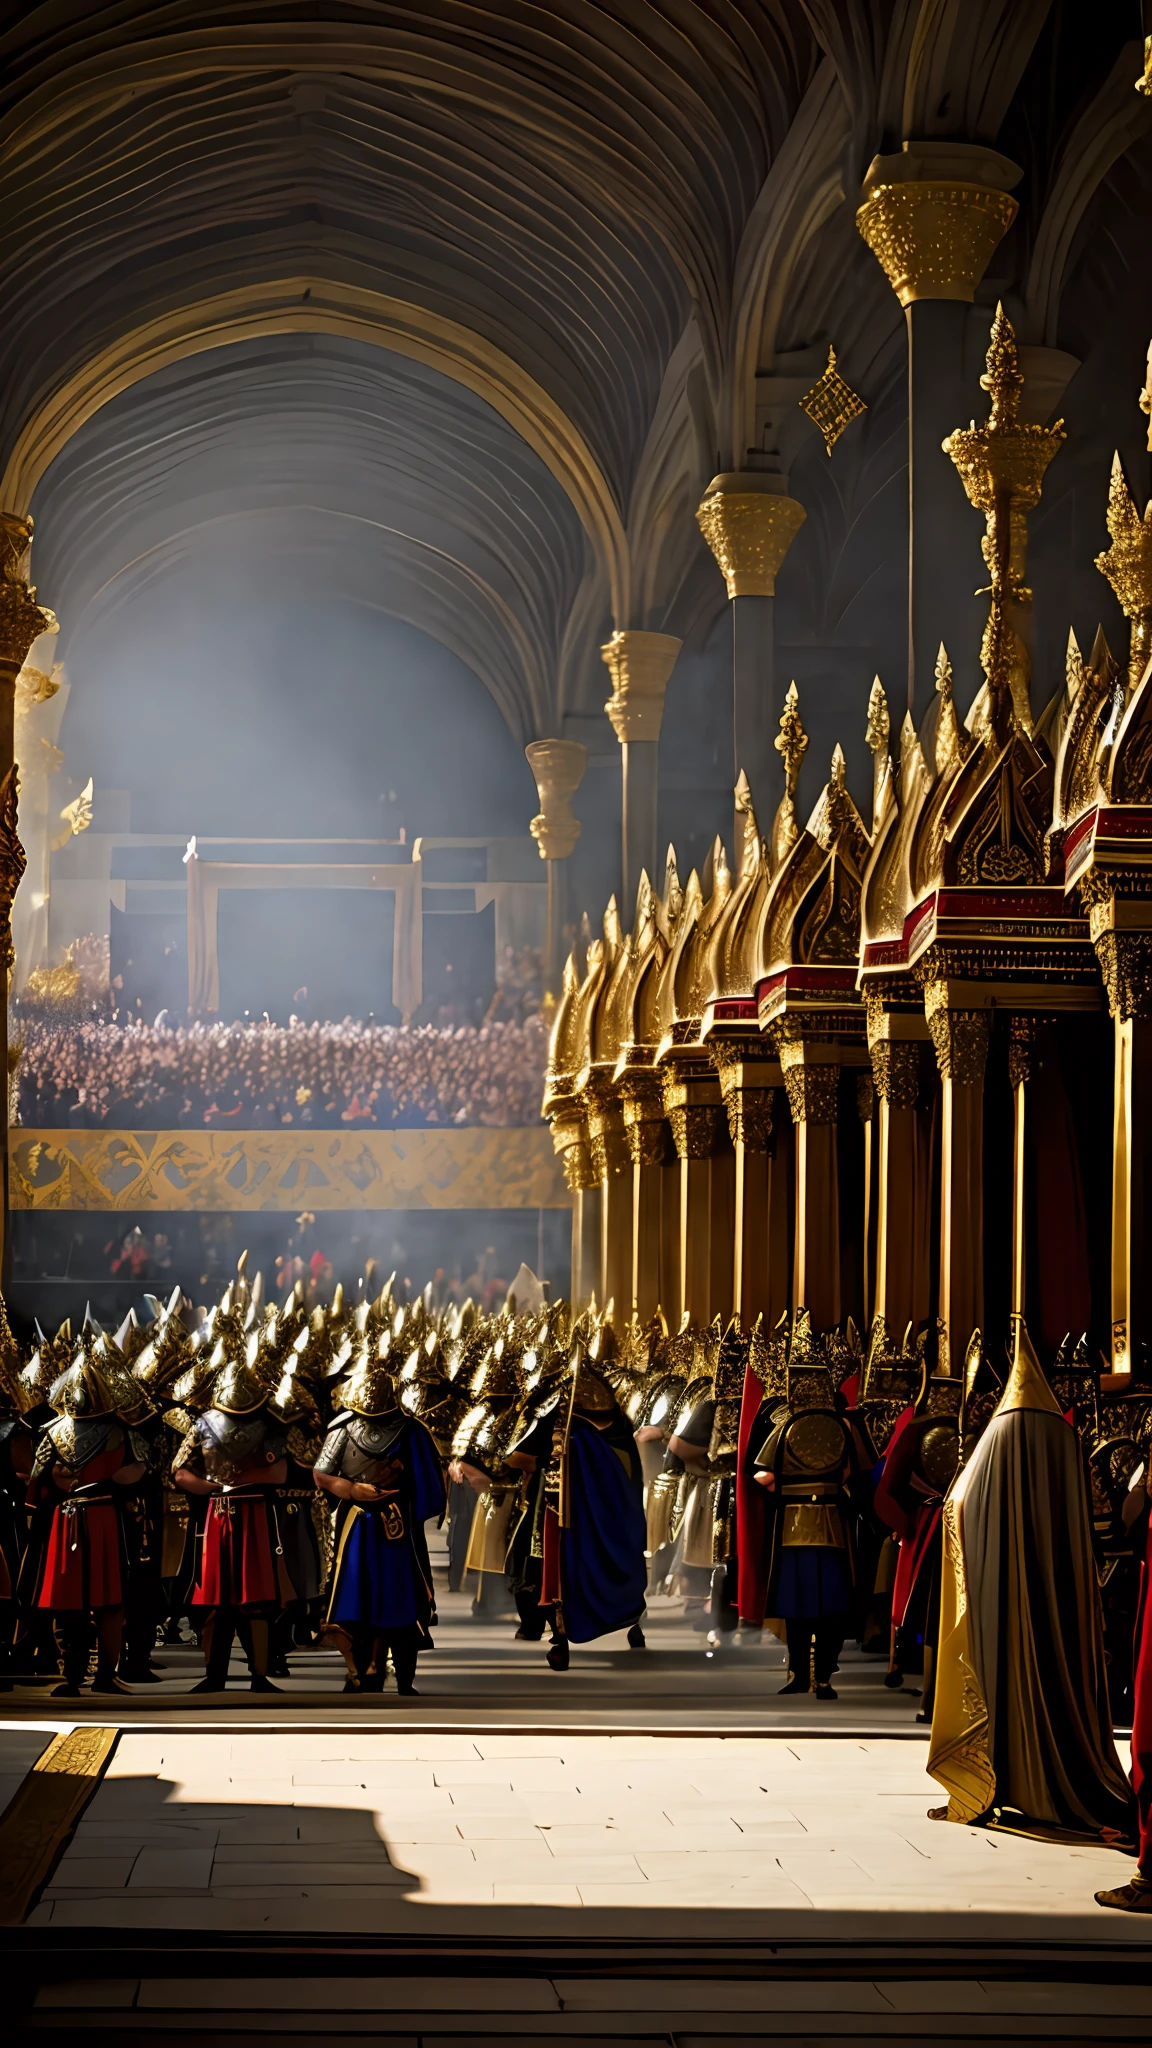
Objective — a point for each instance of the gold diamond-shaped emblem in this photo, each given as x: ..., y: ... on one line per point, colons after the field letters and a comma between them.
x: 832, y: 403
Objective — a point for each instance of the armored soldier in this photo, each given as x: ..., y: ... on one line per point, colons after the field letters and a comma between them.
x: 233, y: 1458
x: 15, y: 1470
x: 384, y: 1470
x: 84, y: 1461
x: 909, y: 1499
x: 805, y: 1465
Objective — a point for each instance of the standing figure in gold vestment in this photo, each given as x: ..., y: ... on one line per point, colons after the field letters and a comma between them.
x: 1021, y: 1723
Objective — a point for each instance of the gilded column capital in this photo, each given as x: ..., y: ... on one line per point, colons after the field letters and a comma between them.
x: 1127, y: 564
x: 896, y: 1071
x: 558, y: 768
x: 812, y: 1081
x: 1126, y: 965
x: 640, y: 665
x: 1022, y: 1033
x: 933, y: 216
x: 645, y: 1125
x: 605, y: 1117
x: 749, y: 528
x: 22, y: 620
x: 959, y: 1037
x: 696, y: 1128
x: 570, y: 1144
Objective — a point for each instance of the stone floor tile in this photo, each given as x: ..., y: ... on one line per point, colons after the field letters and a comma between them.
x: 616, y: 1870
x: 495, y: 1827
x: 403, y: 1777
x: 92, y: 1873
x: 435, y: 1827
x: 173, y: 1869
x: 256, y: 1876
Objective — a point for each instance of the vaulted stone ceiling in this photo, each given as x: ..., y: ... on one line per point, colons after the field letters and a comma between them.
x: 466, y: 304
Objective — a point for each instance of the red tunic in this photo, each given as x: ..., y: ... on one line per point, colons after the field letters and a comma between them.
x: 239, y: 1553
x: 83, y: 1558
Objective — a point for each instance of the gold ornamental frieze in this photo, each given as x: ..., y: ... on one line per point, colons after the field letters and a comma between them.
x: 149, y: 1171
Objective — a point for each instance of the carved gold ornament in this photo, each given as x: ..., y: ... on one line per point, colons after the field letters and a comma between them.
x: 640, y: 665
x: 791, y: 743
x: 1127, y: 564
x: 832, y: 404
x: 22, y: 620
x: 934, y: 240
x: 1001, y: 465
x: 749, y: 532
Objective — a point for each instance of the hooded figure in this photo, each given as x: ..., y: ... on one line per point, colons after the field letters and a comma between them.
x: 1021, y: 1718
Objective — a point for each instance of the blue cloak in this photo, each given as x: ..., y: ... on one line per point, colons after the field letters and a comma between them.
x: 603, y: 1570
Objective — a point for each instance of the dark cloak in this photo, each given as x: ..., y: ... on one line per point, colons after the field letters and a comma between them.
x: 603, y: 1569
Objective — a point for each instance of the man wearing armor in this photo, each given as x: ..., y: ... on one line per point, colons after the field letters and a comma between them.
x: 234, y: 1456
x: 383, y: 1469
x: 84, y: 1461
x: 805, y: 1464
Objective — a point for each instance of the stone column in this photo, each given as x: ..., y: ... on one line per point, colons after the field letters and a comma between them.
x: 22, y: 621
x: 640, y: 665
x: 1122, y: 935
x: 903, y: 1197
x: 932, y: 216
x: 750, y: 522
x: 748, y: 1087
x: 558, y: 767
x: 696, y: 1116
x: 647, y: 1136
x: 812, y: 1078
x: 960, y: 1039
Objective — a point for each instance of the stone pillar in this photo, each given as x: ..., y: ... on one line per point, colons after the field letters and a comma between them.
x: 22, y: 621
x: 647, y: 1136
x: 640, y: 665
x: 558, y: 767
x: 696, y: 1116
x: 903, y: 1197
x: 749, y: 522
x: 960, y: 1038
x: 748, y: 1087
x: 932, y: 216
x: 1122, y: 935
x: 812, y: 1078
x: 613, y: 1167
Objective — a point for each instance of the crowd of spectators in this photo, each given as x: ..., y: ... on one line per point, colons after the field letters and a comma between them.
x: 263, y: 1076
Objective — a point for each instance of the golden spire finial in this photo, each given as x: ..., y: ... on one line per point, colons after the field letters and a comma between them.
x: 750, y: 839
x: 1127, y: 564
x: 1026, y: 1386
x: 877, y: 734
x: 953, y: 744
x: 838, y: 770
x: 791, y: 741
x: 1003, y: 378
x: 612, y: 923
x: 791, y: 744
x: 673, y: 893
x: 879, y: 726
